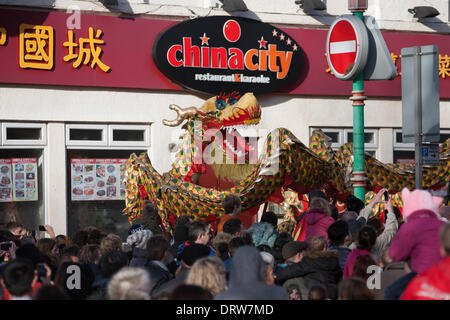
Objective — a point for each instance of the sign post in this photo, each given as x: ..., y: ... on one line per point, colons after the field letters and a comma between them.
x: 347, y: 55
x: 420, y: 88
x: 359, y: 175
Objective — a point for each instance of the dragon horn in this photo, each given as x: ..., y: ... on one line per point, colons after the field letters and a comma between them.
x: 182, y: 114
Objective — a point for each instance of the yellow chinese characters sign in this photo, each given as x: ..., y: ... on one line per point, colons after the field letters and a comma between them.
x: 2, y: 36
x: 88, y: 50
x: 36, y: 46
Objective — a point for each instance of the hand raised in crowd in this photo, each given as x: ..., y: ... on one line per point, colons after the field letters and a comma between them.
x: 389, y: 206
x: 50, y: 231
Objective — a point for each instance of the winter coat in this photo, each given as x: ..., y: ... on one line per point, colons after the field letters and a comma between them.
x: 351, y: 258
x: 317, y: 223
x: 139, y: 258
x: 169, y: 286
x: 433, y: 284
x: 316, y: 268
x: 343, y: 252
x: 418, y: 239
x: 158, y: 273
x: 247, y: 279
x: 263, y: 233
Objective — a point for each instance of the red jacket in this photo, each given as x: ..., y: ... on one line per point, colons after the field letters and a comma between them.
x: 433, y: 284
x: 317, y: 223
x: 418, y: 239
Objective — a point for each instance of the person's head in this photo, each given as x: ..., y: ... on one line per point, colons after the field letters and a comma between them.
x: 354, y: 204
x: 416, y: 200
x: 444, y: 237
x: 157, y: 247
x: 247, y: 238
x: 15, y: 228
x: 129, y: 284
x: 61, y: 241
x: 233, y: 226
x: 235, y: 244
x: 95, y: 235
x: 47, y: 246
x: 349, y: 215
x: 317, y: 194
x: 269, y: 265
x: 192, y: 253
x: 317, y: 244
x: 367, y: 237
x: 71, y: 252
x: 209, y: 273
x: 376, y: 224
x: 51, y: 292
x: 111, y: 242
x: 190, y: 292
x: 30, y: 252
x: 80, y: 238
x: 320, y: 204
x: 444, y: 212
x: 294, y: 251
x: 354, y: 289
x: 270, y: 217
x: 181, y: 233
x: 318, y: 292
x: 360, y: 266
x: 90, y: 253
x: 112, y: 262
x: 76, y: 288
x: 182, y: 220
x: 19, y: 277
x: 232, y: 204
x: 199, y: 232
x: 137, y: 239
x: 338, y: 233
x: 221, y: 237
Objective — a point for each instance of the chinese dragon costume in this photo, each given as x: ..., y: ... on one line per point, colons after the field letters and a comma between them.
x: 285, y: 168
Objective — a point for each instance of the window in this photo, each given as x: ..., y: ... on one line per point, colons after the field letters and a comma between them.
x: 341, y: 136
x: 404, y: 152
x: 123, y: 135
x: 86, y: 135
x: 23, y: 133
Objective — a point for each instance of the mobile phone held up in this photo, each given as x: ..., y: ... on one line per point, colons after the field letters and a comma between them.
x: 386, y: 196
x: 41, y: 228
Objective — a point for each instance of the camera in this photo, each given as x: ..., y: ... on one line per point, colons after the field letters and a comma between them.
x: 386, y: 196
x: 41, y: 271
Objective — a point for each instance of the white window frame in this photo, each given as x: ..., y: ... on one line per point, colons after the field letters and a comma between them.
x: 144, y: 143
x: 342, y: 137
x: 18, y: 142
x: 101, y: 143
x: 400, y: 145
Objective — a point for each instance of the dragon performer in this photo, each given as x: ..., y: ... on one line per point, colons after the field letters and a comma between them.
x: 213, y: 150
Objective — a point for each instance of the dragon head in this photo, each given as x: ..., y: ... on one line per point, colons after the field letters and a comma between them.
x: 222, y: 113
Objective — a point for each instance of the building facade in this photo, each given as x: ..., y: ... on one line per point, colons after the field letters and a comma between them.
x: 56, y: 119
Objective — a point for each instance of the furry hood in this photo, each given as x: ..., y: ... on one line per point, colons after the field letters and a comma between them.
x: 419, y: 200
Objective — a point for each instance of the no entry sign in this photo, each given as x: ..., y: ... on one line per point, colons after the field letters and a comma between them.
x: 347, y: 47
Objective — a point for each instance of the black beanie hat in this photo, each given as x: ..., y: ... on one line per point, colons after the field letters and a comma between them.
x: 270, y: 217
x: 354, y: 204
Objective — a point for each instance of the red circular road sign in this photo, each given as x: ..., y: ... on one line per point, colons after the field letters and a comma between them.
x: 347, y: 47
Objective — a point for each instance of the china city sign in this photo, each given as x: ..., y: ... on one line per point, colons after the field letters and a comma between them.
x: 347, y: 47
x: 226, y: 54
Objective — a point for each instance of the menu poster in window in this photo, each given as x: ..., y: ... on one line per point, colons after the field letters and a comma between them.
x: 25, y: 186
x: 96, y: 179
x: 5, y: 180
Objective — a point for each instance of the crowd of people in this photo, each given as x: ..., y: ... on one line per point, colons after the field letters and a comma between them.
x: 344, y: 256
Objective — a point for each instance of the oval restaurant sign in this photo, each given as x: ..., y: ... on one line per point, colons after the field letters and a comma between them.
x: 226, y: 54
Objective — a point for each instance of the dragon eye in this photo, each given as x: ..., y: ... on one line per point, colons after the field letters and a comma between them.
x: 220, y: 104
x: 231, y: 101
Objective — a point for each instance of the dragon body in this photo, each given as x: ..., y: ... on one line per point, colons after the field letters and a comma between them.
x: 285, y: 164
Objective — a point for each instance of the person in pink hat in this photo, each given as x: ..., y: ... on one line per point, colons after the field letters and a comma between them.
x: 417, y: 241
